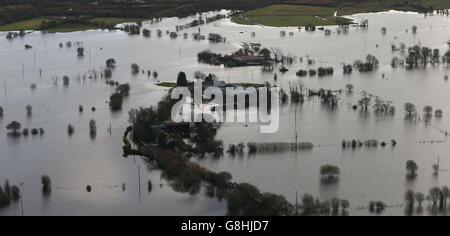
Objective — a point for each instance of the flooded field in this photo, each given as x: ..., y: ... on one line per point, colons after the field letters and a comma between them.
x: 367, y: 174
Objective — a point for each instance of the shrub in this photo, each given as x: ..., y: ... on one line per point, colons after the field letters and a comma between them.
x: 46, y: 185
x: 80, y: 51
x: 14, y: 127
x: 111, y: 63
x: 15, y: 193
x: 66, y: 80
x: 115, y: 101
x: 70, y: 129
x: 29, y: 109
x: 135, y: 68
x: 411, y: 167
x: 108, y: 73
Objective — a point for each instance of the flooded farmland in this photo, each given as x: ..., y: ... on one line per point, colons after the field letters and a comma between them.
x: 367, y: 174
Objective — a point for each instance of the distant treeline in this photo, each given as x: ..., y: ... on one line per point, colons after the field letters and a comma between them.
x: 17, y: 10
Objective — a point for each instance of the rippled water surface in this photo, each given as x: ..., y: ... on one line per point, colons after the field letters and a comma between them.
x: 77, y: 161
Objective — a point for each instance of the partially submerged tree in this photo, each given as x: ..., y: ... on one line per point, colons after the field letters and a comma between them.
x: 420, y: 198
x: 411, y: 167
x: 80, y: 51
x: 111, y: 63
x: 92, y: 128
x: 410, y: 109
x: 115, y: 101
x: 29, y: 109
x: 70, y: 129
x: 46, y: 185
x: 66, y: 80
x: 410, y: 198
x: 349, y: 87
x: 14, y: 127
x: 182, y: 80
x: 428, y: 110
x: 135, y: 68
x: 329, y: 172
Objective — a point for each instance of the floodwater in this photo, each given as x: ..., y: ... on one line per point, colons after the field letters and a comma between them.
x: 76, y: 161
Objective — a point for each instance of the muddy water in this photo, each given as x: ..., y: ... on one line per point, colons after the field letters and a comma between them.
x: 74, y: 162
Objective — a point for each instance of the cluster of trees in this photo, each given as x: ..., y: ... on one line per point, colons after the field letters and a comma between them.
x: 370, y: 64
x: 329, y: 97
x: 49, y: 24
x: 422, y: 56
x: 297, y: 92
x: 236, y: 149
x: 303, y: 73
x: 8, y: 194
x: 321, y: 71
x: 277, y: 147
x: 365, y: 101
x: 411, y: 111
x: 209, y: 57
x: 377, y: 207
x: 12, y: 35
x: 325, y: 71
x: 367, y: 143
x: 247, y: 200
x: 348, y: 69
x: 311, y: 206
x: 14, y: 130
x: 383, y: 107
x: 132, y: 29
x: 437, y: 197
x: 135, y: 69
x: 446, y: 57
x: 216, y: 38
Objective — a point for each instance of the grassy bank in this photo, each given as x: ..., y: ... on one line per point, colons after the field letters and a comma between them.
x: 283, y: 15
x: 35, y: 23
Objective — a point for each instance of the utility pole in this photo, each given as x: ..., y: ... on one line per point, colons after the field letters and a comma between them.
x: 296, y: 204
x: 295, y: 125
x: 21, y: 199
x: 439, y: 158
x: 139, y: 181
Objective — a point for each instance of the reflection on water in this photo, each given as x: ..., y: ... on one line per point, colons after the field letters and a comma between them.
x: 77, y: 161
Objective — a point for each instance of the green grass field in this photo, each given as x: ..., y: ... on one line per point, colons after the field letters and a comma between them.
x: 34, y: 24
x: 31, y: 24
x: 300, y: 15
x: 291, y: 15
